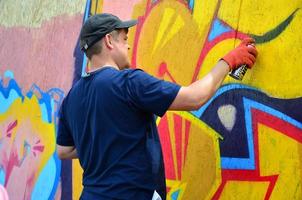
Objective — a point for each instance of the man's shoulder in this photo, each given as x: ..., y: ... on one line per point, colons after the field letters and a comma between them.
x: 137, y: 73
x: 135, y: 69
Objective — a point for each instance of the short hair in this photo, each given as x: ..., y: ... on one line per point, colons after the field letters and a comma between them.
x: 97, y: 47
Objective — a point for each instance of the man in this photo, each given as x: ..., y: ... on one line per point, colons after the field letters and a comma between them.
x: 107, y: 118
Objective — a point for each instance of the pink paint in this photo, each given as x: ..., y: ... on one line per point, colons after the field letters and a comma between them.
x: 20, y: 162
x: 39, y: 148
x: 29, y: 186
x: 3, y: 193
x: 120, y: 8
x: 43, y: 55
x: 12, y: 162
x: 11, y: 126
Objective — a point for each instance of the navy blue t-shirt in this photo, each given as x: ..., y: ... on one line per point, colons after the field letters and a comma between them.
x: 109, y: 118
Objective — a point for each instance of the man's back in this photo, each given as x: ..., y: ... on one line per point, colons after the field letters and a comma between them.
x: 115, y: 134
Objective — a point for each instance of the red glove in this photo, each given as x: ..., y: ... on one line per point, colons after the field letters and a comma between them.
x: 244, y: 53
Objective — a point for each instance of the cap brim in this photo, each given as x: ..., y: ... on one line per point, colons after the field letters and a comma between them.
x: 127, y: 24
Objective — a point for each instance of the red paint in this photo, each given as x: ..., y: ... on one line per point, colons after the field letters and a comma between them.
x: 187, y: 129
x: 162, y: 69
x: 136, y: 39
x: 180, y: 148
x: 178, y: 143
x: 164, y: 134
x: 277, y: 124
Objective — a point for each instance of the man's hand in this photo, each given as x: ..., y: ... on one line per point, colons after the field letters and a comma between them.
x: 244, y: 53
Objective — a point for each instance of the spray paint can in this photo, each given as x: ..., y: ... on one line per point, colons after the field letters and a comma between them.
x: 238, y: 73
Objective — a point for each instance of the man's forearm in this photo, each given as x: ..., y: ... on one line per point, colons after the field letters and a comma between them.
x: 198, y: 93
x: 210, y: 83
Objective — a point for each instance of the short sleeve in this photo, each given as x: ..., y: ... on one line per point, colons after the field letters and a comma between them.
x: 64, y: 137
x: 149, y: 93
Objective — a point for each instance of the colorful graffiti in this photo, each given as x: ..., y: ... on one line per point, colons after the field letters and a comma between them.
x: 29, y: 166
x: 37, y: 66
x: 246, y: 142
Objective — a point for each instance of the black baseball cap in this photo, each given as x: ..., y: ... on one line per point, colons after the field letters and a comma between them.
x: 98, y: 25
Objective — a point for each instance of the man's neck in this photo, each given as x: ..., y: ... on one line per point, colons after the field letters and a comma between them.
x: 98, y: 63
x: 95, y: 68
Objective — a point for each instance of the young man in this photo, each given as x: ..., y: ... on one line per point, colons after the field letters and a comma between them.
x: 107, y: 119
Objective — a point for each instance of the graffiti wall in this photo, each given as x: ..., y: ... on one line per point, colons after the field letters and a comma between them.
x: 245, y: 143
x: 37, y: 58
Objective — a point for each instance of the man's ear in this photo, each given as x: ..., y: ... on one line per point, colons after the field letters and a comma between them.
x: 108, y: 41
